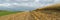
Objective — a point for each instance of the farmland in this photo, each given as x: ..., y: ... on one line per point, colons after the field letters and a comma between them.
x: 3, y: 12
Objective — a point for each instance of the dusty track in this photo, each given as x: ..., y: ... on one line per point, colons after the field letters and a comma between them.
x: 18, y: 16
x: 29, y: 16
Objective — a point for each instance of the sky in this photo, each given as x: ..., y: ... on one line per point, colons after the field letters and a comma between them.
x: 26, y: 3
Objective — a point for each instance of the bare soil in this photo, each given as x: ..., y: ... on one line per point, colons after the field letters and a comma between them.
x: 30, y: 16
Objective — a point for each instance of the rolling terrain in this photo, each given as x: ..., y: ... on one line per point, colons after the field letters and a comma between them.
x: 47, y: 13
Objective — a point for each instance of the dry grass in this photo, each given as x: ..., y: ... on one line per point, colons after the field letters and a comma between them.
x: 48, y: 13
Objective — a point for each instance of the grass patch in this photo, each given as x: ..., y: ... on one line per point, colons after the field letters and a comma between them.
x: 2, y: 13
x: 6, y: 13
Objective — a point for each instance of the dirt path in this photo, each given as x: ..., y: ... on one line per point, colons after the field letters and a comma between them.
x: 18, y: 16
x: 29, y: 16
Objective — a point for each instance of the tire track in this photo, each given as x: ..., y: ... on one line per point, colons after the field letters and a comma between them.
x: 35, y: 16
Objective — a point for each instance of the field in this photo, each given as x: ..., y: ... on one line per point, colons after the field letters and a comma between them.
x: 3, y: 12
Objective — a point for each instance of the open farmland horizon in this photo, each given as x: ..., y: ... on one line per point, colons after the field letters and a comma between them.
x: 48, y: 13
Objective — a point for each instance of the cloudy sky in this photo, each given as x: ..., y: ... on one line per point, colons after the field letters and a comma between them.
x: 26, y: 3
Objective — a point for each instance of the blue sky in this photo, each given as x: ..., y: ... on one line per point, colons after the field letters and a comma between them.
x: 26, y: 3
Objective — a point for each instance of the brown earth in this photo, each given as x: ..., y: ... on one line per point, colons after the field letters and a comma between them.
x: 38, y: 14
x: 30, y: 16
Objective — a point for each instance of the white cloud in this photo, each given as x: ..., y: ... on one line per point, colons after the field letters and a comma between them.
x: 34, y: 4
x: 36, y: 0
x: 57, y: 1
x: 3, y: 4
x: 7, y: 0
x: 24, y: 0
x: 18, y: 4
x: 7, y: 4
